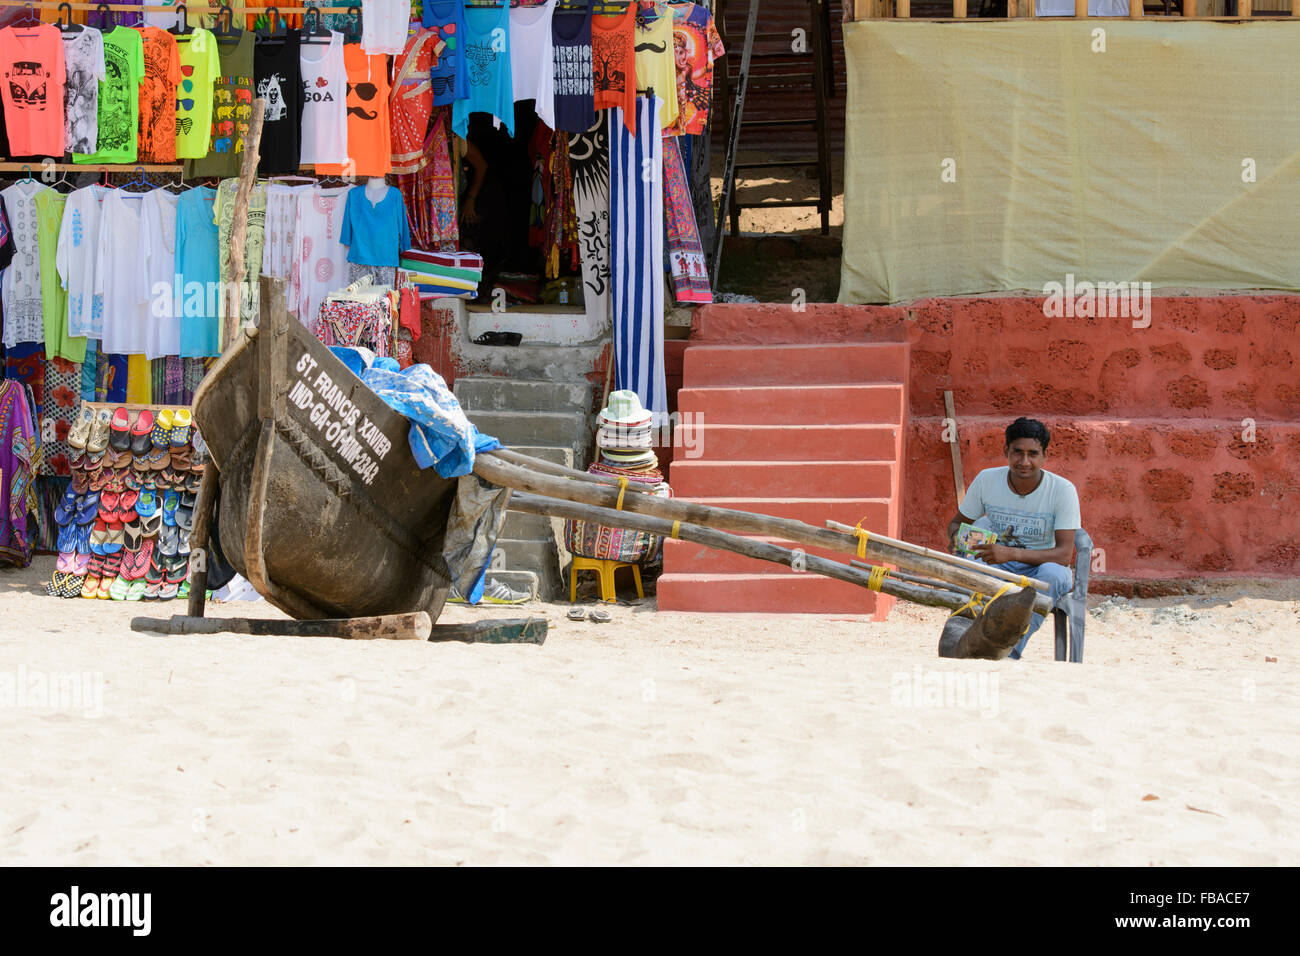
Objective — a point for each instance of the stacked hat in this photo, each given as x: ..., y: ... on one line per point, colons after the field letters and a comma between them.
x: 624, y: 433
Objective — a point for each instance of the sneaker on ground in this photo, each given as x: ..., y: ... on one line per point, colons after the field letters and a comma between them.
x: 498, y: 593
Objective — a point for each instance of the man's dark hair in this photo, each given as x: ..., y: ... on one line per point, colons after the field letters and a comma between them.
x: 1028, y: 428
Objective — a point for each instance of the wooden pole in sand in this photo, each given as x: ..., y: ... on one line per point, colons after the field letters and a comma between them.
x: 576, y: 486
x: 235, y: 264
x: 199, y: 539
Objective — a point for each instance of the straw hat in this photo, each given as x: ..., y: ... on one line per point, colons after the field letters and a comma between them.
x: 624, y: 408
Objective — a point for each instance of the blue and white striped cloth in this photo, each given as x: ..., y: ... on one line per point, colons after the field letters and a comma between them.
x: 636, y: 238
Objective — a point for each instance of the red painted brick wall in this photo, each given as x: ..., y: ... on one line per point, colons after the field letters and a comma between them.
x: 1147, y: 423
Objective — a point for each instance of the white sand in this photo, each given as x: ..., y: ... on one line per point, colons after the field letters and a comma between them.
x: 659, y: 738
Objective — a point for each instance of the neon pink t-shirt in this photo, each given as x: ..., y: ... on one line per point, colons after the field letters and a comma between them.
x: 32, y: 76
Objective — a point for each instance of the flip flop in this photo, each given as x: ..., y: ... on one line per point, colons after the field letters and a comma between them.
x: 115, y: 539
x: 146, y: 503
x: 117, y: 591
x: 99, y: 479
x: 178, y: 568
x: 135, y: 591
x: 168, y: 541
x: 90, y: 587
x: 119, y: 430
x: 132, y: 537
x: 112, y: 565
x: 80, y: 482
x: 104, y: 591
x: 99, y: 432
x: 126, y: 505
x: 72, y: 585
x: 79, y: 433
x: 142, y: 433
x: 66, y: 541
x: 108, y: 506
x: 65, y: 562
x: 150, y: 525
x: 181, y: 421
x: 162, y: 429
x: 170, y: 502
x: 600, y: 616
x: 88, y: 507
x: 80, y: 563
x: 185, y: 516
x: 183, y: 541
x: 83, y: 538
x: 98, y: 535
x: 180, y: 458
x: 66, y: 508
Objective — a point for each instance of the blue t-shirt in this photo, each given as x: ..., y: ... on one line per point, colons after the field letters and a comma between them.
x: 450, y: 81
x: 199, y: 269
x: 376, y: 234
x: 487, y: 60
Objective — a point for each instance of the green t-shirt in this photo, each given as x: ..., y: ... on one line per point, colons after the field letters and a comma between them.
x: 119, y: 98
x: 54, y: 298
x: 232, y: 99
x: 200, y: 68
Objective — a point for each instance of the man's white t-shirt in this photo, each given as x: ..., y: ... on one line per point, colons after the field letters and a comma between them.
x: 1030, y: 521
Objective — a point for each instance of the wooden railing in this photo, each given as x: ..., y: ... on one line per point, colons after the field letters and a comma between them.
x: 1024, y: 9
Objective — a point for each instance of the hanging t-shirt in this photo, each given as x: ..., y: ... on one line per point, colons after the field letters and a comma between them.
x: 532, y: 58
x: 324, y: 102
x: 77, y: 257
x: 54, y: 299
x: 575, y: 111
x: 369, y: 142
x: 158, y: 274
x: 83, y: 57
x: 119, y: 99
x: 254, y: 239
x: 613, y: 64
x: 384, y: 26
x: 117, y: 276
x: 200, y: 67
x: 162, y: 74
x: 450, y: 76
x: 655, y: 68
x: 198, y: 271
x: 376, y: 234
x: 21, y: 290
x: 322, y: 260
x: 279, y: 82
x: 696, y: 45
x: 31, y: 62
x: 232, y: 108
x: 487, y: 58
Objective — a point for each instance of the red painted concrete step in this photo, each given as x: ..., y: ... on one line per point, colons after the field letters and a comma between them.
x: 764, y: 593
x: 782, y: 479
x: 687, y: 557
x: 813, y: 511
x: 797, y: 405
x: 831, y: 364
x: 785, y: 442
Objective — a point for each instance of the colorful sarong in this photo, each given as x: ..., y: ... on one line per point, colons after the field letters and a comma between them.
x: 685, y: 254
x: 17, y: 455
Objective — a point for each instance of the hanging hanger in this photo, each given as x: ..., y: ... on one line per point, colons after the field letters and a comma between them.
x: 179, y: 185
x: 353, y: 33
x: 316, y: 34
x: 275, y: 27
x: 182, y: 26
x: 105, y: 17
x: 138, y: 181
x: 27, y: 18
x: 67, y: 26
x: 229, y: 31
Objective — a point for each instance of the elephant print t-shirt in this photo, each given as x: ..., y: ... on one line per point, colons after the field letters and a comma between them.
x: 31, y: 65
x: 200, y: 67
x: 83, y: 54
x: 162, y: 74
x: 119, y: 98
x: 232, y: 108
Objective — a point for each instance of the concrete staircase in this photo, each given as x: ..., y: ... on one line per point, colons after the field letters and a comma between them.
x: 799, y: 431
x: 547, y: 420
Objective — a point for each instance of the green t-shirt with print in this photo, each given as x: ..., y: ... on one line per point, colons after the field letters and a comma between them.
x: 119, y: 99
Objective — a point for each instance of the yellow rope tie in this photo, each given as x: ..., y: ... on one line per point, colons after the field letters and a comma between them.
x: 1024, y: 582
x: 877, y: 576
x: 677, y: 526
x: 622, y: 489
x: 863, y: 535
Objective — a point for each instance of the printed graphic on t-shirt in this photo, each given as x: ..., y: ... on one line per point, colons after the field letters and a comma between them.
x: 81, y: 98
x: 1022, y: 529
x: 482, y: 62
x: 272, y: 90
x: 28, y: 86
x: 115, y: 107
x: 573, y: 71
x: 359, y: 94
x: 157, y: 94
x: 318, y: 91
x: 232, y: 102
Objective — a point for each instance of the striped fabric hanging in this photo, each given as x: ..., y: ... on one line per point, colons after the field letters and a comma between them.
x: 636, y: 229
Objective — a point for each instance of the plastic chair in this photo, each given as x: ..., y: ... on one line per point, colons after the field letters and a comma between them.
x: 605, y: 571
x: 1071, y: 611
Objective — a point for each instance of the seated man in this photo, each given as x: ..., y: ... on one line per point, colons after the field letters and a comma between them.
x: 1033, y: 511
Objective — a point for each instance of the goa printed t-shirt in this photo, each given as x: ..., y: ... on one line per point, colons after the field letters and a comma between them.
x: 696, y: 45
x: 31, y: 62
x: 200, y: 67
x: 232, y: 109
x: 162, y: 74
x: 83, y: 55
x: 119, y: 98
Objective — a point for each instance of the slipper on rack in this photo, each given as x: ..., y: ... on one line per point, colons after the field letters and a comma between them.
x: 168, y: 540
x: 126, y: 503
x: 88, y: 507
x: 162, y: 429
x: 66, y: 540
x: 132, y: 536
x: 135, y: 591
x: 98, y: 535
x: 83, y: 538
x: 142, y: 433
x: 99, y: 479
x: 117, y: 591
x: 65, y: 562
x: 181, y: 421
x: 150, y: 525
x: 99, y: 432
x: 115, y: 539
x: 66, y: 508
x: 171, y: 501
x: 80, y: 482
x: 79, y: 433
x: 90, y: 586
x: 183, y: 591
x: 104, y: 591
x: 119, y: 430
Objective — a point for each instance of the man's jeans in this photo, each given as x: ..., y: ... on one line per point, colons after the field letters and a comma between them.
x: 1058, y: 579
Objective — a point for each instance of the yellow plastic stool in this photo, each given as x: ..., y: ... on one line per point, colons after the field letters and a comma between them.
x: 605, y: 570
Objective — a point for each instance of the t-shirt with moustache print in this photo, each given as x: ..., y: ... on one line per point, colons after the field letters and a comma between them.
x: 369, y: 139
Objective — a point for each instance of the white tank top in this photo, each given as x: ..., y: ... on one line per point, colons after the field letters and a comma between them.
x: 532, y: 66
x: 324, y: 102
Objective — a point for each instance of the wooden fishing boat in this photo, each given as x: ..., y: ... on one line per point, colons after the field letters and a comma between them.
x: 323, y: 508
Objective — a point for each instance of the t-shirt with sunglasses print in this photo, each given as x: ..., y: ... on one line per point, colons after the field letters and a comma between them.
x: 200, y: 67
x: 369, y: 139
x: 450, y: 78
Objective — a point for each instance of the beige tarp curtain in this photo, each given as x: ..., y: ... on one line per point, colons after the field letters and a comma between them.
x: 1123, y: 165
